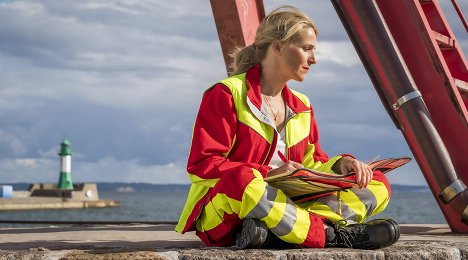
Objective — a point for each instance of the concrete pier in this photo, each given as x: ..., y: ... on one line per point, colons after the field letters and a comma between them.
x: 162, y: 242
x: 31, y: 203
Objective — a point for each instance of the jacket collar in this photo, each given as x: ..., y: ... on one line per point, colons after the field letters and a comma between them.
x: 254, y: 95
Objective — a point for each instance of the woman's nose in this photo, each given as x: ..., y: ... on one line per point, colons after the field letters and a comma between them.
x: 311, y: 59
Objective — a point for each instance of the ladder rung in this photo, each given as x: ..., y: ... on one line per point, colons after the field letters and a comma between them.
x: 461, y: 85
x: 444, y: 42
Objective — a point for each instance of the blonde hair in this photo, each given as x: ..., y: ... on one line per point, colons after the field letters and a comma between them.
x: 282, y: 24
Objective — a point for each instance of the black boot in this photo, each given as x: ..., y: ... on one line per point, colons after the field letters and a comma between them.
x: 255, y: 234
x: 374, y: 234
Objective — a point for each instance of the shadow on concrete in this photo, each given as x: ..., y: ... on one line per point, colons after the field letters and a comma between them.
x: 107, y: 246
x: 87, y: 228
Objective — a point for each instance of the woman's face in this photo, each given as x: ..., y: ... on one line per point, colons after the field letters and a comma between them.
x: 298, y: 56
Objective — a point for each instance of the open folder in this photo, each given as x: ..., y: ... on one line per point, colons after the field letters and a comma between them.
x: 306, y: 184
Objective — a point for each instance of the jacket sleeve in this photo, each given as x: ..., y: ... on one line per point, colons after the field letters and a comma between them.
x: 315, y: 157
x: 213, y: 136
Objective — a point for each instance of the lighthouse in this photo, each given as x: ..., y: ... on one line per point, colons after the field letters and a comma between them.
x: 65, y: 182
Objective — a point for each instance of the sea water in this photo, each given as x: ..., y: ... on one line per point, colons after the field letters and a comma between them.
x: 414, y: 207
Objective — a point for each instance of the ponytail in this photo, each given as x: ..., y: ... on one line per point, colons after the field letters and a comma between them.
x: 243, y: 59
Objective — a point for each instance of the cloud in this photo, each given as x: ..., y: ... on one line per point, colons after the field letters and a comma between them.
x: 338, y: 52
x: 122, y: 80
x: 11, y: 143
x: 105, y: 170
x: 110, y: 169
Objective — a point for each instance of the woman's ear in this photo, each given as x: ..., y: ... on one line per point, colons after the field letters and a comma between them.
x: 277, y: 47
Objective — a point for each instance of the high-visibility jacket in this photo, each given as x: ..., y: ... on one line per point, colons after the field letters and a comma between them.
x: 233, y: 133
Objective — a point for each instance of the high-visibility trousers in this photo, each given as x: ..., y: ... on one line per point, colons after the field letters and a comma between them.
x: 353, y: 205
x: 247, y: 195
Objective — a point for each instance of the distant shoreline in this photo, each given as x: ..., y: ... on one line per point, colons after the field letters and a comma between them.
x: 139, y: 186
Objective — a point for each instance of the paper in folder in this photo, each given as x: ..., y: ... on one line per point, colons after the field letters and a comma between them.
x: 306, y: 184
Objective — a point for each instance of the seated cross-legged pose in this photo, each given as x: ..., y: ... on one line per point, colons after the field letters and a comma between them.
x: 245, y: 124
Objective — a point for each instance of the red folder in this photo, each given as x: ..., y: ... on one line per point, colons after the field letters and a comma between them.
x: 306, y: 184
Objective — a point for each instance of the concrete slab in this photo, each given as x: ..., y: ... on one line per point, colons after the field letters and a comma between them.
x: 31, y: 203
x: 162, y: 242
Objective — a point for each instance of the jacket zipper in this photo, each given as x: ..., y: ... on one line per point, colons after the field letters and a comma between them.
x: 273, y: 143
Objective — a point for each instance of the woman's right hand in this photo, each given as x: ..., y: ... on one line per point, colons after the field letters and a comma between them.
x: 288, y: 166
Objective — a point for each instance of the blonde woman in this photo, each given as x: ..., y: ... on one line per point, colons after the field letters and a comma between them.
x: 252, y: 125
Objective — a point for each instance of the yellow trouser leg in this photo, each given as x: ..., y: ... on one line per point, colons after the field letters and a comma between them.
x: 353, y: 205
x: 260, y: 201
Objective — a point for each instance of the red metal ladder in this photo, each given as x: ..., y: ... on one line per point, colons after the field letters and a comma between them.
x: 451, y: 52
x: 436, y: 62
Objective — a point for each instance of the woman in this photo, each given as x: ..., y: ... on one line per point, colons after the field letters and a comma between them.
x: 245, y: 125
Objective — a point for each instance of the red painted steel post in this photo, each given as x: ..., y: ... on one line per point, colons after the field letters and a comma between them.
x: 433, y: 70
x: 399, y: 94
x: 460, y: 14
x: 237, y: 22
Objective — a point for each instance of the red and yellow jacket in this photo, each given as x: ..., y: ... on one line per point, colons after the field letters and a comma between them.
x: 232, y: 133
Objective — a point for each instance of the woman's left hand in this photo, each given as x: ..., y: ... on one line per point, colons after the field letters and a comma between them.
x: 363, y: 171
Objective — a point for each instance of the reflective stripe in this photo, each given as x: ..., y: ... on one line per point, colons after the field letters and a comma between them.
x: 332, y: 202
x: 322, y: 210
x: 356, y: 204
x: 274, y: 205
x: 368, y: 198
x: 351, y: 200
x: 300, y: 228
x: 277, y: 211
x: 265, y: 204
x: 287, y: 222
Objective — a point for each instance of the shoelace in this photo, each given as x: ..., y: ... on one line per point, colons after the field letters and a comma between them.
x: 349, y: 236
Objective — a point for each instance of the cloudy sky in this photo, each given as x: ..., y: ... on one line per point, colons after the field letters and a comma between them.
x: 122, y: 80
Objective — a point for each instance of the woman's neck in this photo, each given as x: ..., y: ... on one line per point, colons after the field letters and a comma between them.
x: 271, y: 82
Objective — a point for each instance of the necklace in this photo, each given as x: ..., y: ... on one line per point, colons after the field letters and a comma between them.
x: 275, y: 115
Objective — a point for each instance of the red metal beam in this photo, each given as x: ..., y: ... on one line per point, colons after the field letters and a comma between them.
x: 416, y: 27
x: 398, y: 92
x: 237, y: 22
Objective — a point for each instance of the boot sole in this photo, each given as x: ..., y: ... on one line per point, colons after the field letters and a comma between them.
x: 397, y: 230
x: 250, y: 231
x: 243, y: 238
x: 394, y: 229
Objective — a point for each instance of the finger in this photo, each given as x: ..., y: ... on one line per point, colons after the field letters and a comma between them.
x: 297, y: 165
x: 290, y: 166
x: 371, y: 174
x: 358, y: 171
x: 368, y: 173
x: 363, y: 174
